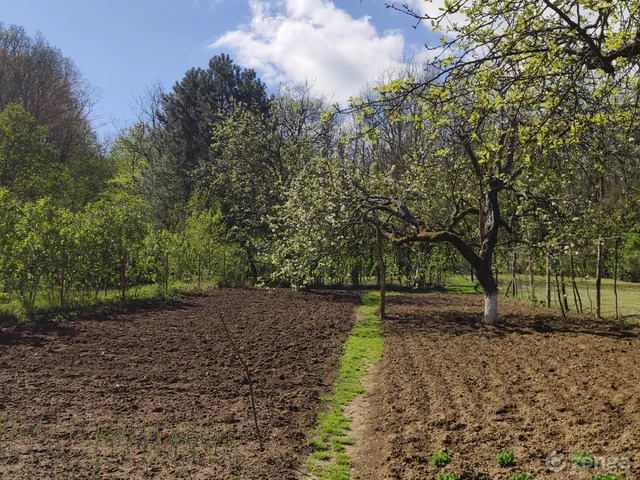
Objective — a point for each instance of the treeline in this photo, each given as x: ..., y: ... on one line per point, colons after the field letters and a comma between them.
x: 187, y: 193
x: 74, y: 257
x: 218, y: 180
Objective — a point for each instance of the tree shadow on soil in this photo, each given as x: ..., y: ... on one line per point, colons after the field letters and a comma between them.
x: 37, y: 333
x: 459, y: 315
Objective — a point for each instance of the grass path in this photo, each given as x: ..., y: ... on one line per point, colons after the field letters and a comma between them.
x: 362, y: 350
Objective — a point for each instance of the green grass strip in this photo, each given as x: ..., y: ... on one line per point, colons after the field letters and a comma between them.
x: 362, y: 350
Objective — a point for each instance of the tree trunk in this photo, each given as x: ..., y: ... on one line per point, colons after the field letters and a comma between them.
x: 381, y: 273
x: 490, y: 292
x: 355, y: 276
x: 487, y: 249
x: 252, y: 265
x: 490, y: 308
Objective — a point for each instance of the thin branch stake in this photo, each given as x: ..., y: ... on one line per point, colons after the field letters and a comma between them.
x: 250, y: 381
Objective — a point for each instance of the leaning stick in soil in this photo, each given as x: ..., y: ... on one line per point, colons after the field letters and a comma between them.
x: 560, y: 300
x: 249, y: 380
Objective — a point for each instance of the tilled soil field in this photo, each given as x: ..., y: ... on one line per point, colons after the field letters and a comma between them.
x: 536, y: 385
x: 161, y: 393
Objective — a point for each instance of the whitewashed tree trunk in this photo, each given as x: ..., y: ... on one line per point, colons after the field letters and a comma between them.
x: 490, y: 308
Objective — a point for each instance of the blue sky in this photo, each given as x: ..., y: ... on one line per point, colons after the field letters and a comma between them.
x: 121, y: 46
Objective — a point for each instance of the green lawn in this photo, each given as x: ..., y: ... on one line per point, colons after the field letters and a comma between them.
x: 628, y: 294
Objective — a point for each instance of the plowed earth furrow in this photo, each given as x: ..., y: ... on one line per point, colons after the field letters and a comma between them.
x: 533, y: 385
x: 161, y: 394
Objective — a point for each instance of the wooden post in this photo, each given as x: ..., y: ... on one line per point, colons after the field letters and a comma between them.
x: 599, y: 279
x: 381, y: 271
x: 615, y: 276
x: 513, y: 274
x: 224, y: 267
x: 564, y: 290
x: 586, y: 286
x: 166, y: 272
x: 123, y: 276
x: 564, y: 314
x: 548, y: 277
x: 532, y: 283
x: 63, y: 268
x: 576, y: 293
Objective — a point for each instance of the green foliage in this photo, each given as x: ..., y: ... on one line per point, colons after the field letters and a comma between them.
x: 47, y: 145
x: 61, y: 257
x: 440, y: 460
x: 200, y: 101
x: 506, y: 458
x: 521, y: 476
x: 27, y: 166
x: 317, y: 445
x: 32, y: 249
x: 583, y: 460
x: 322, y: 455
x: 609, y: 476
x: 448, y: 476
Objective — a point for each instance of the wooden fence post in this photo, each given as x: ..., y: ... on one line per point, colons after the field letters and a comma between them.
x: 166, y: 272
x: 615, y: 277
x: 562, y: 284
x: 123, y: 275
x: 548, y: 277
x: 63, y: 268
x: 599, y: 279
x: 564, y: 313
x: 532, y: 283
x: 224, y: 267
x: 381, y: 271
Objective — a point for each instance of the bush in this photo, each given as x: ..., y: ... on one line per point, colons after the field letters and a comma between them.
x: 506, y: 458
x: 440, y: 460
x: 521, y: 476
x: 610, y: 476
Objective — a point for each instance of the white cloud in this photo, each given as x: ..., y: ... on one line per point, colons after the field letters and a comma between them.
x: 298, y: 40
